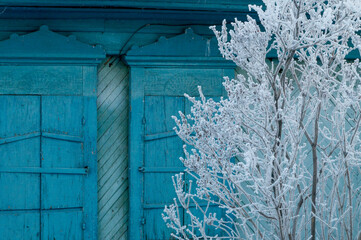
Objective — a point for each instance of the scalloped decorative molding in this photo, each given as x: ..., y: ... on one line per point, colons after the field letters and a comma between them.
x: 188, y: 49
x: 46, y: 46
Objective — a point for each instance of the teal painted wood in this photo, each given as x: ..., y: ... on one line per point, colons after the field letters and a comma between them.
x: 163, y: 4
x: 54, y: 80
x: 49, y: 46
x: 136, y: 153
x: 160, y: 153
x: 115, y: 35
x: 200, y: 52
x: 48, y: 162
x: 112, y: 142
x: 157, y: 94
x: 197, y: 46
x: 89, y: 122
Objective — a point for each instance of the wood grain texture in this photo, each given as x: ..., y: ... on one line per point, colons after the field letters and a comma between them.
x: 114, y: 35
x: 163, y: 4
x: 112, y: 145
x: 48, y: 172
x: 49, y: 80
x: 47, y: 46
x: 43, y: 182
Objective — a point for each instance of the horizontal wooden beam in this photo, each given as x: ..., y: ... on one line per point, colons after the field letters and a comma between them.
x: 159, y: 135
x: 62, y: 137
x: 57, y: 136
x: 207, y: 5
x: 161, y: 16
x: 43, y: 210
x: 181, y: 62
x: 38, y: 170
x: 161, y: 169
x: 19, y: 138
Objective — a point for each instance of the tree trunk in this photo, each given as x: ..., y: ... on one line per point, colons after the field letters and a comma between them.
x: 314, y: 188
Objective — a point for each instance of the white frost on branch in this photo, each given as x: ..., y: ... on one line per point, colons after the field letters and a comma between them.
x: 280, y: 156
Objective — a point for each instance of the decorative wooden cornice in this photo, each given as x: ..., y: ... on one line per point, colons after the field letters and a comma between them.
x: 188, y: 49
x: 46, y: 46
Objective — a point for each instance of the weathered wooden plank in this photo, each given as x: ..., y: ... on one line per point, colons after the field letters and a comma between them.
x: 115, y: 177
x: 124, y: 232
x: 26, y: 153
x: 118, y: 178
x: 112, y: 144
x: 136, y: 151
x: 116, y: 153
x: 111, y: 160
x: 19, y: 138
x: 117, y: 165
x: 107, y: 152
x: 121, y: 232
x: 117, y: 197
x: 64, y: 115
x: 61, y: 191
x: 62, y: 224
x: 114, y: 220
x: 166, y: 82
x: 116, y: 232
x: 117, y: 162
x: 165, y: 4
x: 120, y: 89
x: 109, y: 135
x: 116, y: 115
x: 55, y: 80
x: 113, y: 86
x: 107, y: 73
x: 113, y: 91
x: 42, y: 170
x: 63, y: 137
x: 12, y: 122
x: 12, y: 184
x: 115, y: 200
x: 16, y: 229
x: 89, y: 122
x: 159, y: 135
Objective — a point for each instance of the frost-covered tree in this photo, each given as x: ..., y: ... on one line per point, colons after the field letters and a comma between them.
x: 281, y: 154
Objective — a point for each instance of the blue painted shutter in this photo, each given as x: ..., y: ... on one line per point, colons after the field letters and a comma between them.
x: 162, y: 149
x: 48, y: 138
x: 160, y: 74
x: 42, y: 167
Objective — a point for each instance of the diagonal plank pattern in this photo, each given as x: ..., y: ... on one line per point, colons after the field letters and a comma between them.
x: 112, y: 145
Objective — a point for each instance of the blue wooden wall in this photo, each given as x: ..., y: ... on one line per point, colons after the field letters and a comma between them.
x: 117, y: 30
x: 117, y: 35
